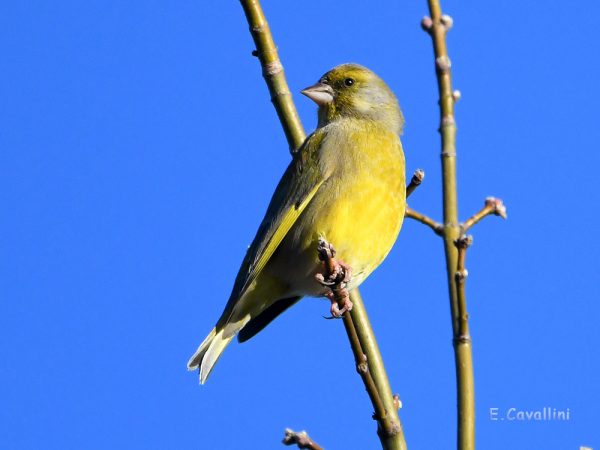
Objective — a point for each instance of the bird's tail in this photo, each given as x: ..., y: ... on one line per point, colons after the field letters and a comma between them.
x: 234, y: 319
x: 211, y: 349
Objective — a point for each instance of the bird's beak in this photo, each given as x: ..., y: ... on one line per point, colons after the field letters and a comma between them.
x: 320, y: 93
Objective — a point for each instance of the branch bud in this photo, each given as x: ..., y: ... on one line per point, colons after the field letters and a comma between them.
x: 418, y: 177
x: 426, y: 24
x: 463, y: 242
x: 447, y: 21
x: 497, y: 206
x: 461, y: 275
x: 443, y: 63
x: 397, y: 401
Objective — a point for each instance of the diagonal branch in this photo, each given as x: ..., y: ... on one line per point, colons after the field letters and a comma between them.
x: 266, y: 51
x: 294, y: 132
x: 492, y: 206
x: 336, y: 276
x: 437, y: 227
x: 394, y: 440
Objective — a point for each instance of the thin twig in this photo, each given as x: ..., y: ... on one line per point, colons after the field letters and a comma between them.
x: 437, y: 227
x: 294, y: 132
x: 437, y: 26
x: 492, y: 206
x: 462, y: 243
x: 415, y: 181
x: 301, y: 439
x: 272, y: 70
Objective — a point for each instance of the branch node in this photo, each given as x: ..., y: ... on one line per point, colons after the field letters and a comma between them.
x: 448, y: 120
x: 462, y: 339
x: 272, y: 68
x: 456, y: 95
x: 463, y: 242
x: 255, y: 53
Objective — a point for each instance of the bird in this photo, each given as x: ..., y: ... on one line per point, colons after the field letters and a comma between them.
x: 345, y: 185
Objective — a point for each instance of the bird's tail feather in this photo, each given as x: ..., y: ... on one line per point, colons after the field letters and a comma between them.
x: 211, y: 349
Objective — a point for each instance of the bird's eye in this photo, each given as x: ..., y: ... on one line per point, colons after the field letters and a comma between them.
x: 348, y: 82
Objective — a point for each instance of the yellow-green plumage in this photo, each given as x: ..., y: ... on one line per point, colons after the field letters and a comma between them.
x: 346, y: 184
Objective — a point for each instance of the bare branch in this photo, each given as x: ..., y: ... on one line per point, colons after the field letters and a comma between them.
x: 437, y: 26
x: 336, y: 275
x: 301, y: 439
x: 415, y: 181
x: 272, y: 69
x: 492, y: 206
x: 462, y: 244
x: 437, y: 227
x: 288, y: 116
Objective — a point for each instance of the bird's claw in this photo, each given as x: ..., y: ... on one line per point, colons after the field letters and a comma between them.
x: 335, y: 278
x: 339, y: 277
x: 346, y: 271
x: 322, y: 281
x: 346, y: 306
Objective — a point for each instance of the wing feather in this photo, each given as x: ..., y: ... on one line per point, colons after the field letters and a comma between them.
x: 298, y: 186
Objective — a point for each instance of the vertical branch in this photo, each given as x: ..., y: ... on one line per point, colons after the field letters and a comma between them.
x: 393, y: 439
x: 462, y: 243
x: 464, y: 360
x: 437, y: 26
x: 266, y: 51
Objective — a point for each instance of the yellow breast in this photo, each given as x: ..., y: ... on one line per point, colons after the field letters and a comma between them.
x: 360, y: 208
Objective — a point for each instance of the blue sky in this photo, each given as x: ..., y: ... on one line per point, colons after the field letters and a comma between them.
x: 138, y: 152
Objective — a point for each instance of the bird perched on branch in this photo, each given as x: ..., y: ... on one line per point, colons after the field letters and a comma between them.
x: 345, y: 184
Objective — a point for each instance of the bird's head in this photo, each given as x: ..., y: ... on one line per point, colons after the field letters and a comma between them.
x: 353, y: 91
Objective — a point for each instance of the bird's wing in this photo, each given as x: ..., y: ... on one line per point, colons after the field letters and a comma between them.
x: 295, y: 190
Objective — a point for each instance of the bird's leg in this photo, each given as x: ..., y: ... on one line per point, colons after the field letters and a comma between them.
x: 336, y: 277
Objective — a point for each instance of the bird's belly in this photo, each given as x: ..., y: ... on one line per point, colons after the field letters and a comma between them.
x: 363, y: 224
x: 362, y: 221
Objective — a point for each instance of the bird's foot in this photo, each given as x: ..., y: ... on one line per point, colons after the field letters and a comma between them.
x: 335, y: 277
x: 344, y: 302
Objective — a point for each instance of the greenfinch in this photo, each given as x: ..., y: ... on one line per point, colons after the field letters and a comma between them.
x: 345, y: 184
